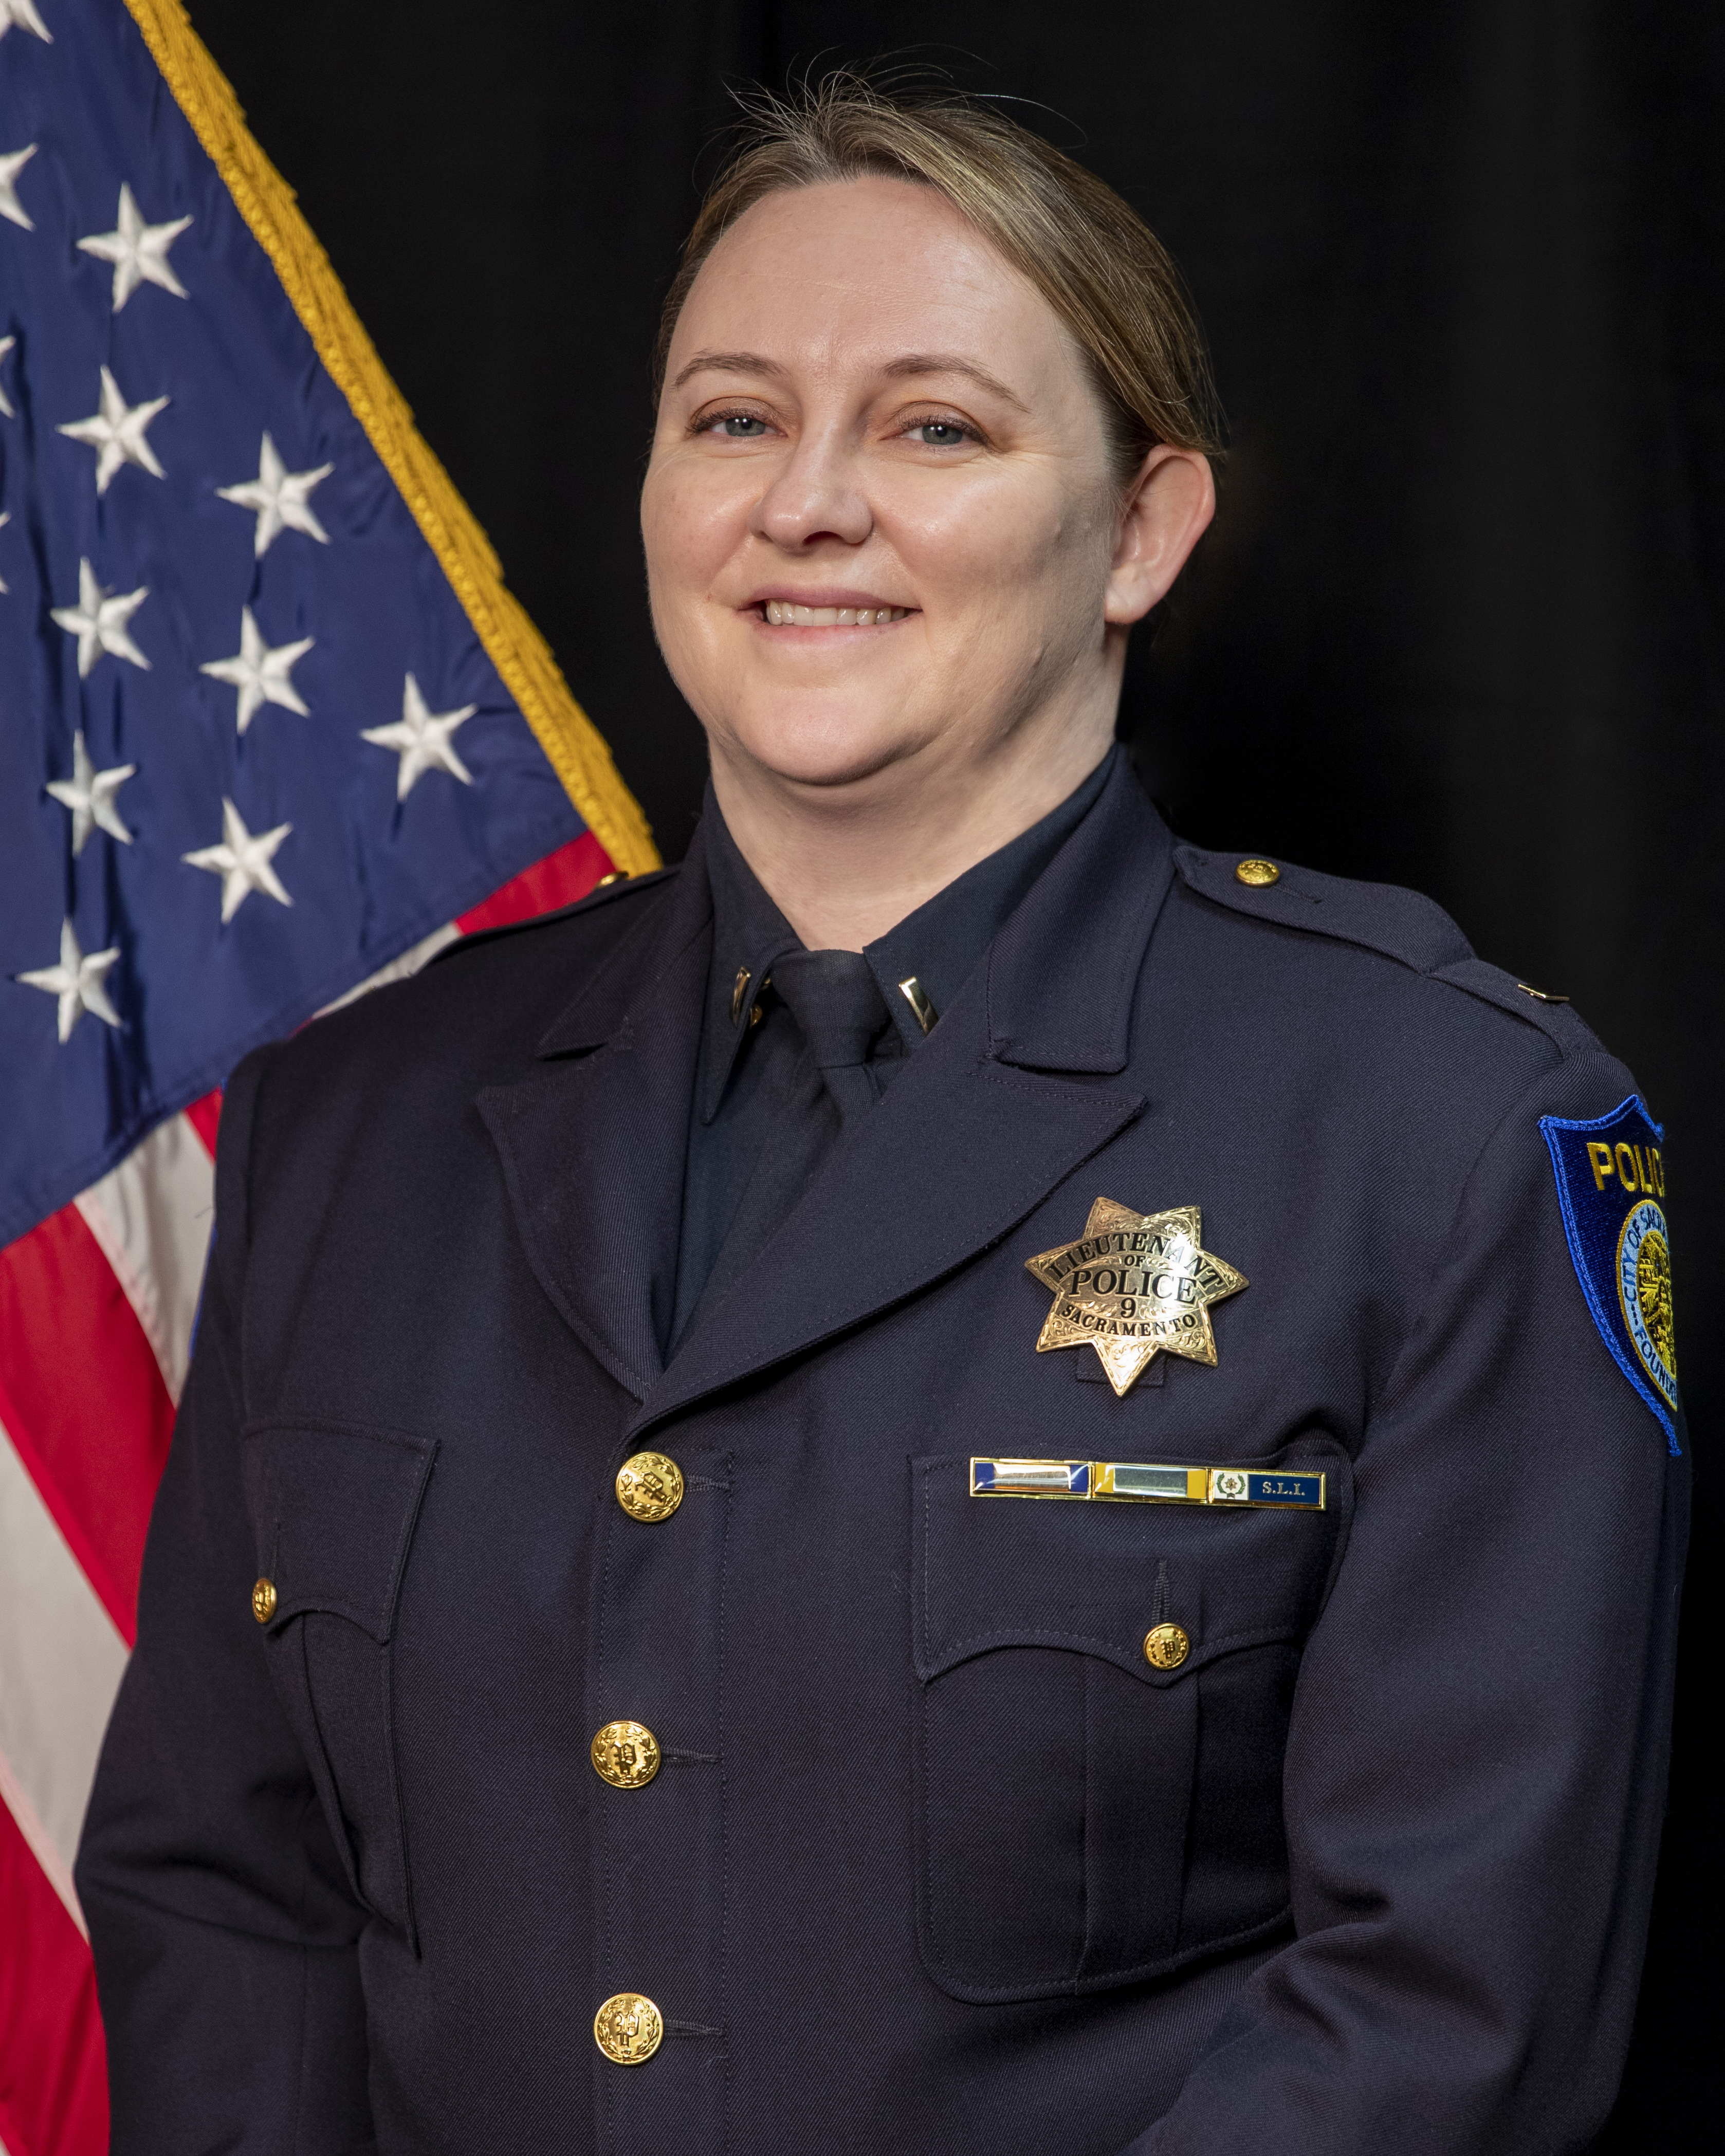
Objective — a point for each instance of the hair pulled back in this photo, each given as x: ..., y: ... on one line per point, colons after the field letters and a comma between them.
x: 1106, y: 274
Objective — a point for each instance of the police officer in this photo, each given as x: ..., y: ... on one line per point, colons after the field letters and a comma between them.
x: 959, y: 1477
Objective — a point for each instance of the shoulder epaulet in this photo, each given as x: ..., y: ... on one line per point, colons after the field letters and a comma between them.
x: 1378, y: 916
x: 605, y: 893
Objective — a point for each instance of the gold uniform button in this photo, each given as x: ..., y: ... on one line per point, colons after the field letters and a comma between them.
x: 628, y: 2029
x: 264, y: 1600
x: 1166, y: 1646
x: 1257, y: 873
x: 649, y: 1487
x: 626, y: 1754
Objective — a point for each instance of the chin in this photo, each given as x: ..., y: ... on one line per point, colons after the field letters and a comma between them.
x: 824, y: 749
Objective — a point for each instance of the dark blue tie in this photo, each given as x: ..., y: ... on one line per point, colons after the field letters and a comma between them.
x: 836, y: 1002
x: 833, y: 997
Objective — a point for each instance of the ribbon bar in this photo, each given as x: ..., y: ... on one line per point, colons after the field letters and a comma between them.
x: 1146, y: 1484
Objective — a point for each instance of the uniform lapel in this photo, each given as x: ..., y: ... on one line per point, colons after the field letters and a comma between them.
x: 592, y: 1145
x: 1001, y: 1103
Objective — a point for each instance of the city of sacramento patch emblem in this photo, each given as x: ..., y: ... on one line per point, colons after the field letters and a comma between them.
x: 1611, y: 1187
x: 1132, y: 1286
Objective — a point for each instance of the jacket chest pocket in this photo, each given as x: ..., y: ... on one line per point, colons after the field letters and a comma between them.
x: 334, y: 1508
x: 1085, y: 1818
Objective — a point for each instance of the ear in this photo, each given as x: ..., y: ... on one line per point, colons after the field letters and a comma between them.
x: 1172, y: 499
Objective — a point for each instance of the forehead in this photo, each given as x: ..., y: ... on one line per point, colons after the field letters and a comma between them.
x: 855, y: 273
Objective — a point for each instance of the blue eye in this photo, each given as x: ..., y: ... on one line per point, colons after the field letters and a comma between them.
x: 942, y: 434
x: 742, y: 427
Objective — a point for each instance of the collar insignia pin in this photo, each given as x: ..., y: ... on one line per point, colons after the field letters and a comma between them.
x: 1134, y: 1286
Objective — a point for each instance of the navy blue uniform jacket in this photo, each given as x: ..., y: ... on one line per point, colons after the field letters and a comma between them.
x: 935, y: 1860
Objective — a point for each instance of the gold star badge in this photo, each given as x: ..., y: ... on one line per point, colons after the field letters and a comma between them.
x: 1134, y: 1285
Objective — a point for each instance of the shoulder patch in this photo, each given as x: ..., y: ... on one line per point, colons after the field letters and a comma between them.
x: 1612, y: 1187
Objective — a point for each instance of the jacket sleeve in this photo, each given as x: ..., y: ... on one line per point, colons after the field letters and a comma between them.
x: 1475, y: 1772
x: 223, y: 1930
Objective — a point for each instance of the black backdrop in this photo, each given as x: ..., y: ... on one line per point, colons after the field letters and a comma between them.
x: 1462, y: 267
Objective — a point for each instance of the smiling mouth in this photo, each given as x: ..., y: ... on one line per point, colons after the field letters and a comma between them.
x: 781, y: 614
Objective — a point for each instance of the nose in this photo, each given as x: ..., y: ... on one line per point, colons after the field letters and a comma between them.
x: 813, y: 495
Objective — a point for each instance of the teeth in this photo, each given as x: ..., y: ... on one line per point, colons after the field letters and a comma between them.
x: 782, y: 614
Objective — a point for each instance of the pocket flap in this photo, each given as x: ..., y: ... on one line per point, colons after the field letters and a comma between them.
x: 333, y: 1506
x: 1095, y: 1576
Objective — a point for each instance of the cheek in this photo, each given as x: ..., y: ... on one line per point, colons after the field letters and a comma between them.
x: 1000, y: 547
x: 693, y: 520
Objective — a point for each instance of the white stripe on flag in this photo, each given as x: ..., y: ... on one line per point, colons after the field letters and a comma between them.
x: 60, y: 1665
x: 152, y: 1217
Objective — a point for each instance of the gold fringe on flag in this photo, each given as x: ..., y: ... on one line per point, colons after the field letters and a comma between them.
x: 578, y: 753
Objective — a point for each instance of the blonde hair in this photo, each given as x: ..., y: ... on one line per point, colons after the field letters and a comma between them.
x: 1090, y: 255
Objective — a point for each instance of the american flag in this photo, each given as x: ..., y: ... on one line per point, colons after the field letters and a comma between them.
x: 270, y: 730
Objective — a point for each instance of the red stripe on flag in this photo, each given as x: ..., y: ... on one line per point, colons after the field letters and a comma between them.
x: 82, y: 1398
x: 54, y: 2086
x: 204, y: 1116
x: 559, y: 880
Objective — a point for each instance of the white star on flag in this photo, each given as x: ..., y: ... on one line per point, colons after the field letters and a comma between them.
x: 116, y: 433
x: 11, y: 165
x: 77, y: 981
x: 24, y: 13
x: 242, y: 862
x: 279, y: 498
x: 421, y: 740
x: 88, y: 793
x: 261, y: 675
x: 137, y: 250
x: 6, y: 410
x: 5, y: 519
x: 98, y: 620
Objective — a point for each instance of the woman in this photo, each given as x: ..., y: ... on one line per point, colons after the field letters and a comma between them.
x: 595, y: 1688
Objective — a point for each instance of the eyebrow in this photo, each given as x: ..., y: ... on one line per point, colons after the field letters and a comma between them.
x: 727, y: 363
x: 910, y: 364
x: 948, y: 363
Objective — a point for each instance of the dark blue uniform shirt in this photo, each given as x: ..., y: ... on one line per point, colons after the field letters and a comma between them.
x: 762, y: 1119
x: 1313, y: 1809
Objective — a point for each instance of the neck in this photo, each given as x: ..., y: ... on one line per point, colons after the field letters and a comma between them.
x: 845, y: 863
